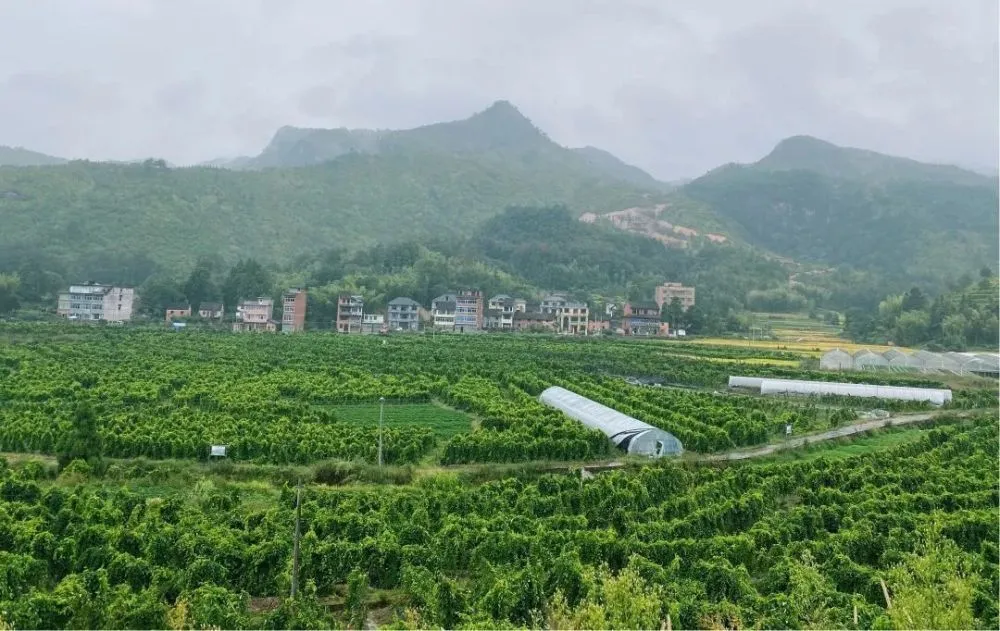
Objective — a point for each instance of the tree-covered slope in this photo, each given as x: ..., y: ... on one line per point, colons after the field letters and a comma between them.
x: 919, y: 227
x: 82, y: 211
x: 21, y: 157
x: 812, y: 154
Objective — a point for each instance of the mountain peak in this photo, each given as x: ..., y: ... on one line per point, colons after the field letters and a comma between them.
x: 808, y: 153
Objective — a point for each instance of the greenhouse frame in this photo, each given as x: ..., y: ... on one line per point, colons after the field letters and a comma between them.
x: 901, y: 393
x: 980, y: 364
x: 627, y: 433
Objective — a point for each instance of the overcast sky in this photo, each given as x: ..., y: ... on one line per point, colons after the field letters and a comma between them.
x: 674, y: 87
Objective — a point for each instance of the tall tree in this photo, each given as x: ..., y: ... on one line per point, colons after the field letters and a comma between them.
x: 246, y: 279
x: 9, y: 285
x: 199, y: 286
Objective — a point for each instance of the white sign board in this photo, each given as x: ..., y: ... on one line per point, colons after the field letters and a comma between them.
x: 218, y: 450
x: 788, y: 429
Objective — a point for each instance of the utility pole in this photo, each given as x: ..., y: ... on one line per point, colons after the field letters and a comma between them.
x: 295, y: 545
x: 381, y: 414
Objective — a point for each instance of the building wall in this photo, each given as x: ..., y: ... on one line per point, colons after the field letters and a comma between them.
x: 469, y: 310
x: 260, y: 310
x: 405, y: 317
x: 118, y: 304
x: 178, y: 313
x: 293, y: 315
x: 666, y: 292
x: 350, y: 310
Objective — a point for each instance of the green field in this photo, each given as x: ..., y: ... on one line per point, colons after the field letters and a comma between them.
x: 445, y: 421
x: 112, y: 514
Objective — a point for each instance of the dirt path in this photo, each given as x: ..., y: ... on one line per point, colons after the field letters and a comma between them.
x: 839, y: 432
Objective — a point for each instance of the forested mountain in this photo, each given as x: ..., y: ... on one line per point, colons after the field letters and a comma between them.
x: 86, y: 213
x: 500, y: 131
x: 812, y: 154
x: 815, y: 202
x: 21, y: 157
x: 898, y: 221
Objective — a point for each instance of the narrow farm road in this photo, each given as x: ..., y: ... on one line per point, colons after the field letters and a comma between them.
x: 839, y: 432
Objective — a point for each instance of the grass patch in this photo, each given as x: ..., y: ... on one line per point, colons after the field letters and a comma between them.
x: 445, y: 421
x: 849, y: 446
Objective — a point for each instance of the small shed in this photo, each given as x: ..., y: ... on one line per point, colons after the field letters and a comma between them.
x: 867, y: 360
x: 836, y: 359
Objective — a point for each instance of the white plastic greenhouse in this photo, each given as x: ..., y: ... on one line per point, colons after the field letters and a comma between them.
x: 627, y: 433
x: 745, y: 382
x: 836, y: 359
x: 902, y: 393
x: 867, y: 360
x: 899, y: 360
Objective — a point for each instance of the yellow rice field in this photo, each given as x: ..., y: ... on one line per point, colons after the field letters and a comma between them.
x: 814, y: 347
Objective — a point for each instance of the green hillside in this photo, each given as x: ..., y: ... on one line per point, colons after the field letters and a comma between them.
x: 82, y: 212
x: 812, y: 154
x: 902, y: 219
x: 21, y: 157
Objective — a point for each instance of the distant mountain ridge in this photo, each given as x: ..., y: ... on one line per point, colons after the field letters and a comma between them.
x: 812, y: 154
x: 814, y: 201
x: 21, y: 157
x: 500, y: 131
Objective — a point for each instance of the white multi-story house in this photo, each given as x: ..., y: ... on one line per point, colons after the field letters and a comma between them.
x: 255, y: 315
x: 572, y: 318
x: 91, y: 301
x: 443, y: 311
x: 372, y: 323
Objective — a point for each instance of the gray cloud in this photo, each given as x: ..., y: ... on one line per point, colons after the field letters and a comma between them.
x: 674, y: 89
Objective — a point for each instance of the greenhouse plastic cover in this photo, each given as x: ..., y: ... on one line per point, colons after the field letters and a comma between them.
x: 620, y: 428
x: 903, y: 393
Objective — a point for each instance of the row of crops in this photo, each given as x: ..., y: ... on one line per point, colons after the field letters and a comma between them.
x: 273, y: 398
x: 811, y: 544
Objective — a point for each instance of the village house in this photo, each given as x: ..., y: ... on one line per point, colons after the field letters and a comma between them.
x: 553, y: 302
x: 468, y: 310
x: 372, y: 323
x: 534, y: 321
x: 500, y: 312
x: 443, y: 312
x: 255, y: 315
x: 666, y: 292
x: 92, y: 301
x: 598, y: 325
x: 211, y: 310
x: 572, y: 318
x: 350, y: 310
x: 293, y: 314
x: 641, y: 318
x: 403, y: 314
x: 178, y: 311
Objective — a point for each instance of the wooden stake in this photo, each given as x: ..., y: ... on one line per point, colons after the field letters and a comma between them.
x: 885, y: 592
x: 670, y: 626
x: 855, y: 615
